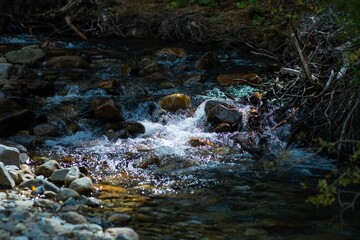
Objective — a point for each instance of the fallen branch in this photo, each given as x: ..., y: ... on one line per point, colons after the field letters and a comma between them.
x: 77, y: 32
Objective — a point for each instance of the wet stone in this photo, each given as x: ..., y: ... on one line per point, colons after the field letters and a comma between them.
x: 46, y: 129
x: 58, y: 176
x: 47, y: 168
x: 175, y: 102
x: 123, y: 233
x: 119, y: 219
x: 68, y: 62
x: 26, y: 55
x: 65, y: 193
x: 82, y: 185
x: 74, y: 218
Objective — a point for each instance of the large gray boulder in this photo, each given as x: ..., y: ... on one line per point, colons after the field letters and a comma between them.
x: 66, y: 193
x: 26, y: 55
x: 5, y: 179
x: 10, y: 156
x: 82, y: 185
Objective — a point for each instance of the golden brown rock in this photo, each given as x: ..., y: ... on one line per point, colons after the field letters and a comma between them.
x: 239, y: 79
x: 175, y: 102
x: 172, y: 51
x: 197, y: 142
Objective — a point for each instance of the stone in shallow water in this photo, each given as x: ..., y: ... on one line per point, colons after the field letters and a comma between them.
x: 124, y: 233
x: 175, y: 102
x: 46, y: 129
x: 72, y: 175
x: 106, y: 110
x: 58, y: 176
x: 208, y: 61
x: 82, y: 185
x: 119, y: 219
x: 26, y: 55
x: 239, y: 79
x: 66, y: 193
x: 47, y: 168
x: 67, y: 62
x: 74, y: 218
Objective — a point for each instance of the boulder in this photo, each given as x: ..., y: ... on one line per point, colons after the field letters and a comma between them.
x: 218, y: 112
x: 106, y: 110
x: 208, y: 61
x: 149, y: 65
x: 239, y: 79
x: 65, y: 193
x: 175, y: 102
x: 20, y: 147
x: 119, y: 219
x: 26, y: 55
x: 134, y: 128
x: 74, y: 218
x: 58, y: 176
x: 10, y: 156
x: 123, y: 233
x: 82, y: 185
x: 47, y: 168
x: 122, y: 134
x: 46, y: 129
x: 6, y: 182
x: 68, y: 62
x: 72, y: 175
x: 10, y: 71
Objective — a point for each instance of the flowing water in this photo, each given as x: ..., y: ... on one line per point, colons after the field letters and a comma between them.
x: 171, y: 189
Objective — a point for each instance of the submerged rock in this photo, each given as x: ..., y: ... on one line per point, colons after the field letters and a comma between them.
x: 125, y: 233
x: 46, y: 129
x: 68, y: 62
x: 171, y: 53
x: 239, y: 79
x: 175, y: 102
x: 208, y: 61
x: 26, y: 55
x: 106, y: 110
x: 197, y: 142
